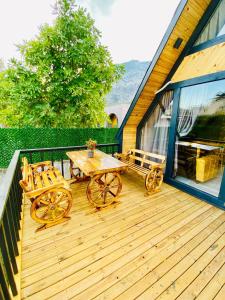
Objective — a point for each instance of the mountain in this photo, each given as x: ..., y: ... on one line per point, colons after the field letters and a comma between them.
x: 124, y: 90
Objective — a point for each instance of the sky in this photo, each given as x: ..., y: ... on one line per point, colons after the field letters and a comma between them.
x: 131, y: 29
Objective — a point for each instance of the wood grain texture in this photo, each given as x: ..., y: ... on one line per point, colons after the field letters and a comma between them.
x: 129, y: 137
x: 170, y: 241
x: 100, y: 163
x: 207, y: 61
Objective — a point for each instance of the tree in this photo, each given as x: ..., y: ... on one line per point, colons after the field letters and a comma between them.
x: 63, y: 76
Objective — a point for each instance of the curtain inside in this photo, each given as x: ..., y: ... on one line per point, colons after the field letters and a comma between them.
x: 154, y: 134
x: 215, y: 26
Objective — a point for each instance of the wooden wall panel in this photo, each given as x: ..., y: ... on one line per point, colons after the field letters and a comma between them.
x: 207, y: 61
x: 129, y: 137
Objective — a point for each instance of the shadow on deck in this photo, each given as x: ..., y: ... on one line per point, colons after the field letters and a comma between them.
x: 167, y: 245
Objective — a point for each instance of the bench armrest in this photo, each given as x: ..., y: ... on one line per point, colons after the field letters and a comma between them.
x: 47, y: 164
x: 122, y: 155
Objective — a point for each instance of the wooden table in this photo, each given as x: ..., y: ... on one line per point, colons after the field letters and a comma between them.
x: 198, y: 146
x: 104, y: 170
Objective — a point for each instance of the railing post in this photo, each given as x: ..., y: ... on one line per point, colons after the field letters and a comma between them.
x: 4, y: 292
x: 10, y: 208
x: 7, y: 264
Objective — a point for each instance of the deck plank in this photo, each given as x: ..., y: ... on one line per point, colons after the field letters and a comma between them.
x: 214, y: 285
x: 140, y: 273
x: 136, y: 248
x: 221, y: 294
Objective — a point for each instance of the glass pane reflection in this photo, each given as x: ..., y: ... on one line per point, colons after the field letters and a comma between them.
x: 200, y: 139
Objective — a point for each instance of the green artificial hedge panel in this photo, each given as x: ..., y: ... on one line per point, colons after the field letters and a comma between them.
x: 12, y: 139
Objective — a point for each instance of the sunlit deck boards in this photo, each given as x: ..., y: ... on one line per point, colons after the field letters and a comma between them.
x: 169, y: 246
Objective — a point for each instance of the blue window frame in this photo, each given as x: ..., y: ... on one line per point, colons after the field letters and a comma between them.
x: 215, y: 27
x: 169, y: 175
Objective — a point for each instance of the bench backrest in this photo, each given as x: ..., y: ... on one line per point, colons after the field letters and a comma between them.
x: 27, y: 182
x: 146, y: 158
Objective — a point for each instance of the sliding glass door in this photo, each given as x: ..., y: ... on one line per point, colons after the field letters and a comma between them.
x: 187, y: 125
x: 200, y: 137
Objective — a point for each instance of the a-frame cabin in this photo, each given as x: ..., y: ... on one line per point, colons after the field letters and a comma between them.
x: 179, y: 108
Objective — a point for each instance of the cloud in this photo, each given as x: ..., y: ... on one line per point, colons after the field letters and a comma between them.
x: 102, y: 6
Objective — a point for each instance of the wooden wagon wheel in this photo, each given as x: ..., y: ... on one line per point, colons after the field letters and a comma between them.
x: 154, y: 180
x: 104, y: 189
x: 51, y: 206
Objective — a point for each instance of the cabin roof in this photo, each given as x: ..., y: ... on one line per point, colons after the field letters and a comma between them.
x: 187, y: 22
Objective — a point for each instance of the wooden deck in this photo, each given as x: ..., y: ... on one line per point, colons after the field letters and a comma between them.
x: 167, y: 246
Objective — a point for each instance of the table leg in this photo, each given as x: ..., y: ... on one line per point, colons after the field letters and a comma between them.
x: 76, y: 174
x: 104, y: 189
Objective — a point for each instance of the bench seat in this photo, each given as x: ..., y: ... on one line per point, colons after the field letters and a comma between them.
x: 147, y: 164
x: 48, y: 191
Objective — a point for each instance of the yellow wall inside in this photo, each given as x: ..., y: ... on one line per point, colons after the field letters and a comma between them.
x: 207, y: 61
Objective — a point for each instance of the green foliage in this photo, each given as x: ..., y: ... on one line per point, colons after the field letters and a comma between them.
x: 63, y: 76
x: 209, y: 127
x: 12, y: 139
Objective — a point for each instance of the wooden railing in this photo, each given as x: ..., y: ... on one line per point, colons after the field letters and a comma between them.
x: 10, y: 208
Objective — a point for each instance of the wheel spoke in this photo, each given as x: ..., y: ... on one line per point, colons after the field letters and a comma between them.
x: 99, y: 181
x: 112, y: 193
x: 52, y: 197
x: 44, y: 201
x: 63, y: 202
x: 60, y: 208
x: 53, y: 214
x: 111, y: 181
x: 41, y: 211
x: 114, y: 186
x: 59, y: 198
x: 105, y: 197
x: 100, y: 194
x: 97, y: 189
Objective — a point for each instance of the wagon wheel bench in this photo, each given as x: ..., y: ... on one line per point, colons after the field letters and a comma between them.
x: 48, y: 191
x: 148, y: 165
x: 103, y: 171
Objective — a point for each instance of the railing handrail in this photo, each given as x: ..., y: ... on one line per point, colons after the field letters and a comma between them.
x: 7, y: 181
x: 64, y: 148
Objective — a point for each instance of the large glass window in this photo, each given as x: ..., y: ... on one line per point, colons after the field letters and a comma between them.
x: 215, y: 26
x: 200, y: 136
x: 154, y: 134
